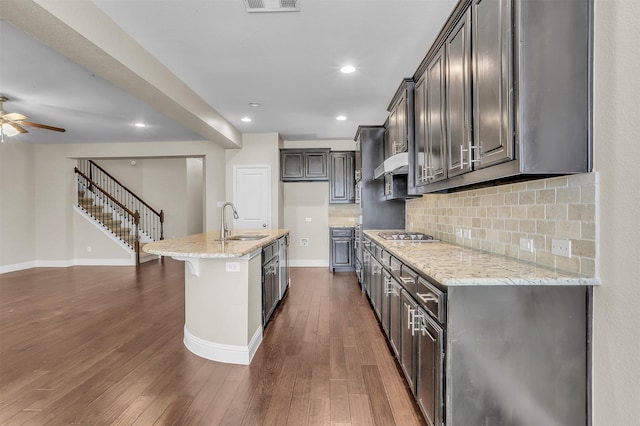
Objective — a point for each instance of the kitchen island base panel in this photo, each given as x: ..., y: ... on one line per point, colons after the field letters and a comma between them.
x: 223, y: 309
x: 229, y: 354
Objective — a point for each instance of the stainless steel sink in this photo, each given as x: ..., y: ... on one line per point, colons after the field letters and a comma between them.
x: 247, y: 237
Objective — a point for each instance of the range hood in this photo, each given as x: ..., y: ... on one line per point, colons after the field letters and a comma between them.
x: 396, y: 164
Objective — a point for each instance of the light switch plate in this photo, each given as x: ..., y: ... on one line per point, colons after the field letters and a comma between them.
x: 526, y: 244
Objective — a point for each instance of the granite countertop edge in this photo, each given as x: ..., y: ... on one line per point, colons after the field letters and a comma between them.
x: 454, y: 265
x: 208, y: 245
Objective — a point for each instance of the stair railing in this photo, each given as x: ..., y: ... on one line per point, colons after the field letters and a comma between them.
x: 151, y: 221
x: 115, y: 209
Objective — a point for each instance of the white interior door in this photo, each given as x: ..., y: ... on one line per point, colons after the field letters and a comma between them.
x: 252, y: 196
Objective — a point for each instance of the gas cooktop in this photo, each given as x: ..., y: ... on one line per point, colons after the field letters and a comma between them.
x: 407, y: 236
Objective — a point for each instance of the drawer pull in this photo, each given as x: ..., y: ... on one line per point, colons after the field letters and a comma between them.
x: 407, y: 280
x: 428, y: 297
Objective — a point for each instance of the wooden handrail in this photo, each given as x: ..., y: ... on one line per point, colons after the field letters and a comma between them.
x: 135, y: 215
x: 119, y: 183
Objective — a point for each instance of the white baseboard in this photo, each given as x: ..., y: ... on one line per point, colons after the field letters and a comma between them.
x: 65, y: 264
x: 230, y: 354
x: 309, y: 263
x: 17, y: 267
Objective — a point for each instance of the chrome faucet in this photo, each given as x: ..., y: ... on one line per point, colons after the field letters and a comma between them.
x: 224, y: 231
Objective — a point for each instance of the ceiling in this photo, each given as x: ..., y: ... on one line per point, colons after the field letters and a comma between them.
x: 191, y: 68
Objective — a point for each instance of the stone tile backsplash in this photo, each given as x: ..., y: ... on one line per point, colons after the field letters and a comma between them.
x: 497, y: 217
x: 343, y: 210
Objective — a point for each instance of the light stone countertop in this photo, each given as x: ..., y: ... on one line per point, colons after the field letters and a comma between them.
x: 453, y: 265
x: 208, y: 245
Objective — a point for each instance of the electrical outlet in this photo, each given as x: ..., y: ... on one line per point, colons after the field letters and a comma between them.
x: 561, y: 247
x: 219, y: 203
x: 304, y: 242
x: 466, y: 233
x: 232, y: 266
x: 307, y: 219
x: 459, y: 233
x: 526, y: 244
x: 89, y: 249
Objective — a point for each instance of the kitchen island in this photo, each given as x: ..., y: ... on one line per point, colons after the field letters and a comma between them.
x: 223, y: 291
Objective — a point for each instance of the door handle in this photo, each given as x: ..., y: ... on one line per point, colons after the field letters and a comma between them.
x: 264, y: 225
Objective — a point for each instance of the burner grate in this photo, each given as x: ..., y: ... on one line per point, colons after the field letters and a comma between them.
x: 400, y: 236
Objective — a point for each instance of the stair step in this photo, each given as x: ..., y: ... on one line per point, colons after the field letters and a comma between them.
x: 101, y: 215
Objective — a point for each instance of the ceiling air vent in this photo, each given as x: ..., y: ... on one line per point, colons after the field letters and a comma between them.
x: 272, y: 5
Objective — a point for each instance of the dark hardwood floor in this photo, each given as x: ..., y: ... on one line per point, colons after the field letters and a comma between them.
x: 103, y: 345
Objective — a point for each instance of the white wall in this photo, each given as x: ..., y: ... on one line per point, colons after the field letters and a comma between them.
x: 165, y: 186
x: 616, y: 331
x: 17, y: 202
x: 52, y: 179
x: 195, y: 196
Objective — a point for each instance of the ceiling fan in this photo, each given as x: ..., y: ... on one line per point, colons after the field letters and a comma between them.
x: 13, y: 123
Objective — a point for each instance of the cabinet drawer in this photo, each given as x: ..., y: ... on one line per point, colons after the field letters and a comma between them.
x: 431, y: 299
x: 269, y: 251
x: 377, y: 252
x: 342, y: 232
x: 409, y: 280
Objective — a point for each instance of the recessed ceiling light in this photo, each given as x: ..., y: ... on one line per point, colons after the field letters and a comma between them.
x: 341, y: 118
x: 139, y: 124
x: 245, y: 119
x: 254, y: 104
x: 348, y: 69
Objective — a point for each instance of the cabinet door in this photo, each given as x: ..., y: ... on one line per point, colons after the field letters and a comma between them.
x: 420, y: 138
x: 315, y: 165
x: 351, y: 177
x: 458, y: 97
x: 407, y: 354
x: 429, y: 389
x: 342, y: 252
x: 492, y: 82
x: 395, y: 318
x: 366, y: 273
x: 291, y: 165
x: 376, y: 283
x: 341, y: 177
x: 387, y: 281
x: 435, y: 125
x: 391, y: 134
x: 401, y: 125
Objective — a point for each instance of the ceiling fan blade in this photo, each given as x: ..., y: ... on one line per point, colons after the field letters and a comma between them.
x: 14, y: 116
x: 42, y: 126
x: 16, y: 126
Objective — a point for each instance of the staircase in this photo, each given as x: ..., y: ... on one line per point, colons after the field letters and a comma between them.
x: 119, y: 210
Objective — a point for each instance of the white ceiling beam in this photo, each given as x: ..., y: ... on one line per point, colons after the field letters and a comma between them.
x: 83, y: 33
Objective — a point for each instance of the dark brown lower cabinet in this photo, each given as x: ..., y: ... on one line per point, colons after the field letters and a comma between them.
x: 341, y: 249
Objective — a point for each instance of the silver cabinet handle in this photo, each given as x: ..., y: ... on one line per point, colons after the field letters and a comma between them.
x: 407, y: 280
x: 416, y: 323
x: 428, y: 297
x: 474, y: 158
